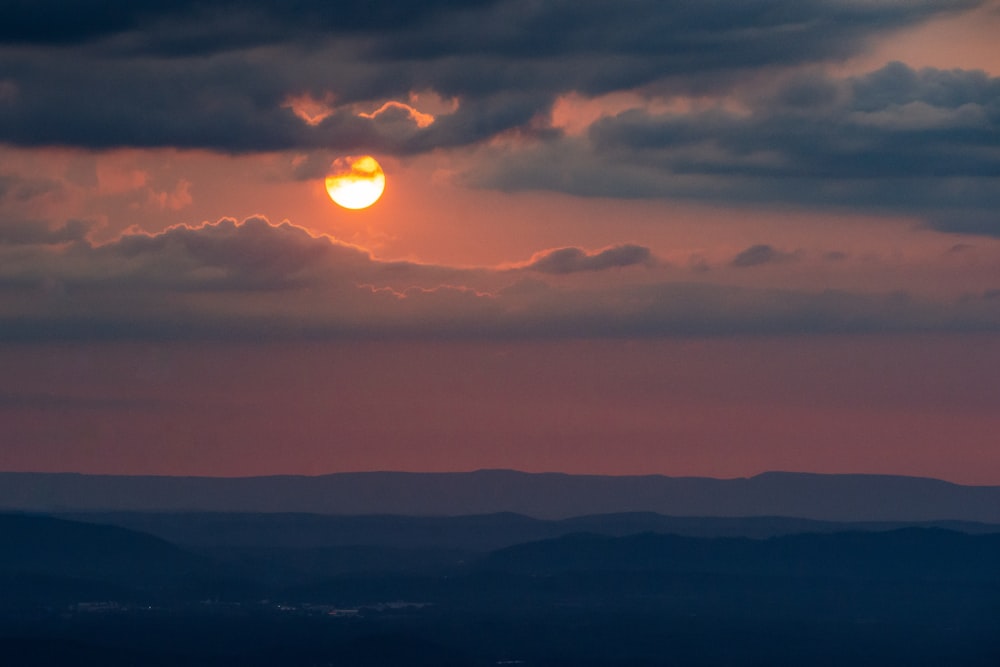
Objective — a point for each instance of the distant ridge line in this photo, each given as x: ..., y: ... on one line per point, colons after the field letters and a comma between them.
x: 511, y: 471
x: 552, y: 495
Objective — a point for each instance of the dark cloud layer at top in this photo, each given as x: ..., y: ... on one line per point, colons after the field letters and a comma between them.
x: 512, y: 28
x: 220, y: 75
x: 215, y: 74
x: 167, y: 22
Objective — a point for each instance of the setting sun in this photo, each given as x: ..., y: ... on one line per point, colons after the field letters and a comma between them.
x: 355, y: 182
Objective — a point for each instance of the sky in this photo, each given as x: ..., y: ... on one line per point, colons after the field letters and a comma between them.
x: 698, y: 237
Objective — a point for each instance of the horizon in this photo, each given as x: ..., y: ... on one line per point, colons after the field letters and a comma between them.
x: 539, y: 473
x: 539, y: 495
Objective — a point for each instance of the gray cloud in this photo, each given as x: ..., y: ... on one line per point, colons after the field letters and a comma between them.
x: 257, y: 280
x: 250, y: 255
x: 215, y: 74
x: 182, y: 26
x: 26, y: 232
x: 756, y: 255
x: 924, y: 142
x: 17, y: 189
x: 573, y: 260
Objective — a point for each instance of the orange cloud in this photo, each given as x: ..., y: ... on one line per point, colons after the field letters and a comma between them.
x: 174, y: 200
x: 574, y: 113
x: 433, y: 103
x: 310, y: 109
x: 116, y: 177
x: 421, y: 119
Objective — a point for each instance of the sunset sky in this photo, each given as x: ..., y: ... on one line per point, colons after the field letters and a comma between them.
x: 687, y: 237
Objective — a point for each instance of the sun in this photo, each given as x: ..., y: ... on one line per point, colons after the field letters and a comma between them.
x: 355, y: 181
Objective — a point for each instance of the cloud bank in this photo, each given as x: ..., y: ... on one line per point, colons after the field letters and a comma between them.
x: 309, y: 76
x: 217, y: 74
x: 259, y: 280
x: 923, y: 142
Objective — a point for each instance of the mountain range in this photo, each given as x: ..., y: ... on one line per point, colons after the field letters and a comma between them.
x: 846, y: 497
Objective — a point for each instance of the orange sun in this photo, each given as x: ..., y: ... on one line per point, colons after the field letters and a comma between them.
x: 355, y: 181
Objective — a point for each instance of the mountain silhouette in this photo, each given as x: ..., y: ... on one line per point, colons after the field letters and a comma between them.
x: 45, y: 558
x: 908, y: 553
x: 477, y: 533
x: 539, y: 495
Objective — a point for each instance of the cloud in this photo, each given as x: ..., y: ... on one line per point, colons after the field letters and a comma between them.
x: 917, y: 142
x: 311, y: 111
x: 401, y: 111
x: 227, y: 256
x: 16, y: 189
x: 256, y: 76
x: 259, y: 280
x: 756, y: 255
x: 573, y: 260
x: 220, y: 74
x: 182, y: 26
x: 27, y: 232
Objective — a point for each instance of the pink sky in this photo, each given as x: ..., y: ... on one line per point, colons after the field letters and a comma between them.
x: 916, y: 405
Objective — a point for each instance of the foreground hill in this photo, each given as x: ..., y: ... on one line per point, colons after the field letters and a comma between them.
x: 544, y: 495
x: 911, y: 596
x: 48, y: 560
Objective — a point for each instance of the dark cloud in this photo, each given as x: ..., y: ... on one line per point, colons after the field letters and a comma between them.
x: 573, y: 260
x: 257, y: 280
x: 206, y: 25
x: 757, y: 255
x: 893, y: 123
x: 215, y: 74
x: 645, y: 39
x: 26, y: 232
x: 688, y: 30
x: 253, y: 254
x: 964, y: 221
x: 924, y: 142
x: 219, y: 74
